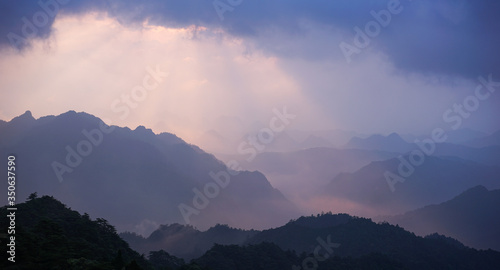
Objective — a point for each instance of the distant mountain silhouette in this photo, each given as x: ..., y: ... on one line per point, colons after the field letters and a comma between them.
x: 52, y: 236
x: 463, y: 135
x: 186, y: 241
x: 303, y: 171
x: 314, y: 141
x: 336, y: 137
x: 350, y: 243
x: 488, y: 152
x: 471, y: 217
x: 329, y: 161
x: 485, y: 155
x: 438, y: 179
x: 459, y: 136
x: 490, y: 140
x: 133, y: 177
x: 391, y: 143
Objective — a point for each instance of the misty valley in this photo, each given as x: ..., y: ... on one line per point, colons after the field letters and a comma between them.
x: 249, y: 135
x: 106, y: 197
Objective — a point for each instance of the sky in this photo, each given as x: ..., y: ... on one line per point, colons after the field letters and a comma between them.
x: 189, y: 67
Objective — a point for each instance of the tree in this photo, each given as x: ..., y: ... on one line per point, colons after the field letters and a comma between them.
x: 32, y: 196
x: 118, y: 262
x: 133, y: 266
x: 162, y: 260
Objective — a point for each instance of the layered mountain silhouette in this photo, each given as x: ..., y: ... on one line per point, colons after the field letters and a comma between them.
x: 472, y: 217
x: 135, y: 178
x: 356, y: 177
x: 347, y: 242
x: 52, y: 236
x: 301, y: 172
x: 437, y: 179
x: 390, y: 143
x: 463, y: 135
x: 186, y: 241
x: 483, y: 150
x: 490, y: 140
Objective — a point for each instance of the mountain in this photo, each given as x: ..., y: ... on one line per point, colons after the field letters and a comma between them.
x: 281, y: 142
x: 18, y: 124
x: 299, y: 173
x: 390, y: 143
x: 268, y: 256
x: 471, y: 217
x: 336, y: 137
x: 135, y: 178
x: 459, y: 136
x: 463, y: 135
x: 395, y: 186
x: 329, y: 241
x: 490, y: 140
x: 49, y: 235
x: 489, y: 155
x: 185, y: 241
x: 313, y: 141
x: 347, y: 240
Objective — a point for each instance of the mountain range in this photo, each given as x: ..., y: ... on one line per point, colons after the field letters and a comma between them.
x: 136, y: 178
x: 436, y: 180
x: 471, y: 217
x: 53, y: 236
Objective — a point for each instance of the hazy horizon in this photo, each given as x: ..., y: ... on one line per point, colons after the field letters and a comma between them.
x: 227, y: 75
x: 384, y: 109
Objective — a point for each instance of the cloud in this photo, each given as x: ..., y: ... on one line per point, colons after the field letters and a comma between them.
x: 447, y: 37
x: 95, y: 61
x: 264, y: 54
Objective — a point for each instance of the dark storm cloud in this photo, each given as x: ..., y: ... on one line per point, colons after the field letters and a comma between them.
x: 450, y: 37
x: 446, y: 37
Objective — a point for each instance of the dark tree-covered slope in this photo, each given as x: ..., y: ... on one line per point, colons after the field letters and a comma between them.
x: 51, y: 236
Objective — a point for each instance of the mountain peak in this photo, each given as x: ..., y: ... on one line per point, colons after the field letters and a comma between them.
x: 392, y: 143
x: 165, y: 231
x: 323, y: 221
x: 394, y: 136
x: 143, y: 129
x: 474, y: 191
x: 28, y: 114
x: 23, y: 119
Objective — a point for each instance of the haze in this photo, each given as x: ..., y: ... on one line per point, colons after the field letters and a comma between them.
x: 215, y: 72
x: 228, y: 75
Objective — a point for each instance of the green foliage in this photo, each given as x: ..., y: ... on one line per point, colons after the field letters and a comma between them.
x: 161, y: 260
x: 262, y: 256
x: 32, y: 196
x: 51, y: 236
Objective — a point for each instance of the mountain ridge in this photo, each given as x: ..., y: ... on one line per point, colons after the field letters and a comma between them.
x: 141, y: 169
x: 469, y: 217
